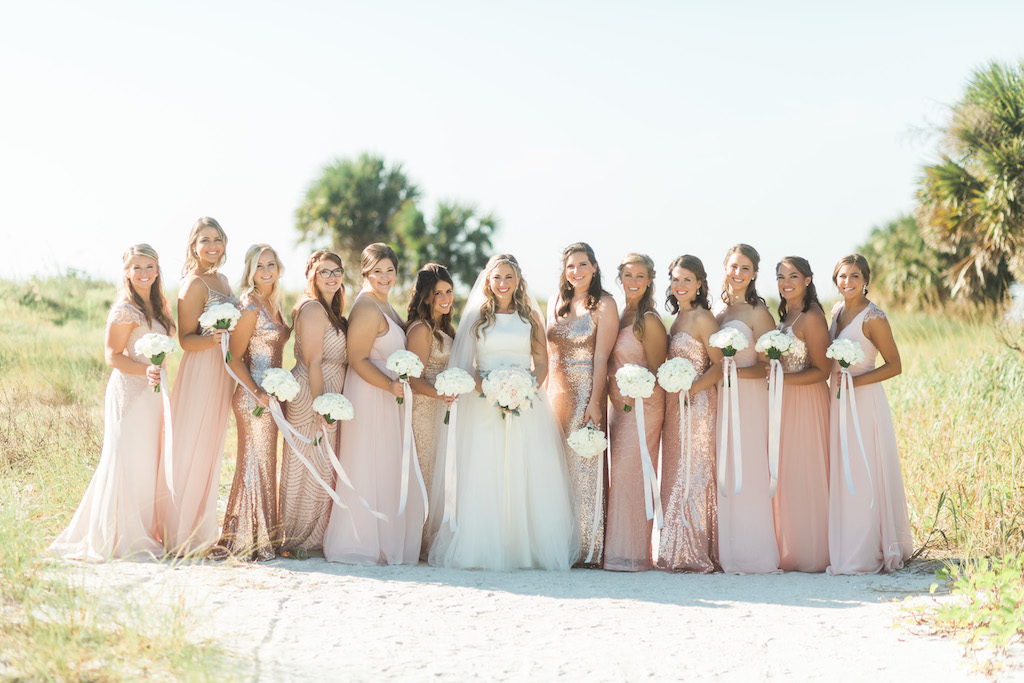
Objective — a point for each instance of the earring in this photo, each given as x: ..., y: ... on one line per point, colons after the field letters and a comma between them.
x: 864, y: 290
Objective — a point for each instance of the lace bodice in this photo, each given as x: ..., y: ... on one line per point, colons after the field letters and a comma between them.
x: 855, y: 331
x: 797, y: 358
x: 125, y: 313
x: 747, y: 356
x: 507, y: 343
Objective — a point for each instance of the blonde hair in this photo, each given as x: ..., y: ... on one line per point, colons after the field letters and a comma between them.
x: 247, y: 284
x: 156, y: 294
x: 646, y: 303
x: 520, y: 302
x: 336, y: 305
x: 192, y: 260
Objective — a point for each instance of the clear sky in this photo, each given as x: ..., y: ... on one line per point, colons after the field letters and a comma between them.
x: 662, y: 127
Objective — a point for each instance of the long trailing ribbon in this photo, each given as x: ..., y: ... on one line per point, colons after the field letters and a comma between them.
x: 409, y: 457
x: 846, y: 395
x: 686, y: 437
x: 775, y: 382
x: 508, y: 483
x: 328, y: 452
x: 450, y: 472
x: 730, y: 403
x: 168, y: 433
x: 652, y: 487
x: 598, y: 505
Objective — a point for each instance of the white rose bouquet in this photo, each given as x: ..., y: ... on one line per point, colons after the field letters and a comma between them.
x: 846, y: 352
x: 730, y: 340
x: 453, y: 382
x: 588, y: 442
x: 774, y: 344
x: 405, y: 364
x: 220, y: 317
x: 334, y: 408
x: 510, y: 388
x: 155, y: 347
x: 634, y: 382
x: 676, y: 375
x: 280, y: 384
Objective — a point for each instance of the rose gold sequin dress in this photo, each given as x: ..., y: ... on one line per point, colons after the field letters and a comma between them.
x: 689, y: 539
x: 569, y: 385
x: 801, y: 498
x: 628, y: 532
x: 304, y: 505
x: 250, y: 522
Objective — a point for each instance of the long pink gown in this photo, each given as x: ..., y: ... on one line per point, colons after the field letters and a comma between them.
x: 801, y: 498
x: 689, y: 539
x: 370, y: 451
x: 866, y: 536
x: 200, y: 409
x: 627, y: 541
x: 116, y: 517
x: 746, y: 541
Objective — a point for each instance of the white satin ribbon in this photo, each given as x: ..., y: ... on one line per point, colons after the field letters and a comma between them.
x: 775, y: 382
x: 730, y: 402
x: 686, y: 437
x: 328, y: 452
x: 652, y: 487
x: 168, y: 434
x: 450, y: 472
x: 409, y: 457
x: 508, y: 483
x: 846, y: 396
x: 598, y: 506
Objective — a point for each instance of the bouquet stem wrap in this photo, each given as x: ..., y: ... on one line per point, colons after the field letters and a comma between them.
x: 730, y: 417
x: 450, y: 471
x: 846, y: 395
x: 775, y: 382
x: 409, y: 458
x: 686, y: 437
x: 331, y: 456
x: 652, y: 487
x: 168, y: 434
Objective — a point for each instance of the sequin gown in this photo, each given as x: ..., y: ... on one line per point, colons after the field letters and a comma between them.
x: 250, y: 521
x: 801, y: 497
x: 746, y: 528
x: 200, y: 408
x: 689, y: 539
x: 628, y: 532
x: 569, y: 385
x: 866, y: 536
x: 370, y: 450
x: 116, y: 515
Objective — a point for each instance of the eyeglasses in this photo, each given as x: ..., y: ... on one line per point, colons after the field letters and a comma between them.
x: 337, y: 272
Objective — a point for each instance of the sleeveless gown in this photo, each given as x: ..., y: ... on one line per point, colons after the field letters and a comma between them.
x: 370, y: 450
x: 569, y: 384
x: 628, y: 532
x: 200, y: 406
x: 250, y: 521
x: 689, y: 540
x: 862, y: 538
x: 746, y: 541
x: 801, y: 497
x: 304, y: 505
x: 513, y: 506
x: 116, y: 517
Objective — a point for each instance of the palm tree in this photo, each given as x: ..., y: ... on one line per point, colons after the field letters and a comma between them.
x: 458, y: 237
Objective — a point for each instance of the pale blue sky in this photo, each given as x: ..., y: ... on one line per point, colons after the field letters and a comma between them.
x: 665, y: 127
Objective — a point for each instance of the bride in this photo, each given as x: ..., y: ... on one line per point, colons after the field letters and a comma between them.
x: 512, y: 491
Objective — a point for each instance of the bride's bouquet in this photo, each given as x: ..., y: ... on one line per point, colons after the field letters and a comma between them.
x: 155, y: 347
x: 588, y: 442
x: 634, y: 382
x: 846, y: 352
x: 510, y: 388
x: 220, y: 317
x: 280, y: 384
x: 676, y: 375
x: 730, y: 340
x: 405, y: 364
x: 774, y: 344
x: 453, y: 382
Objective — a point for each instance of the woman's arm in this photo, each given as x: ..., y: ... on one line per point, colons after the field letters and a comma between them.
x: 879, y: 333
x: 706, y: 325
x: 191, y: 299
x: 814, y: 333
x: 655, y: 341
x: 115, y: 340
x: 365, y: 324
x: 539, y: 348
x: 607, y: 321
x: 418, y: 340
x: 238, y: 344
x: 310, y: 327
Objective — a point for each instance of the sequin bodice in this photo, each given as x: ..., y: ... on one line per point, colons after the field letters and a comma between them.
x: 797, y: 358
x: 573, y: 341
x: 683, y: 345
x: 266, y: 345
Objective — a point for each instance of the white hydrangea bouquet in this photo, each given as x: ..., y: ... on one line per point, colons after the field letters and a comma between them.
x: 634, y: 382
x: 280, y: 384
x: 676, y: 375
x: 846, y: 352
x: 220, y: 317
x: 334, y: 408
x: 510, y: 388
x: 405, y: 364
x: 588, y: 442
x: 155, y: 347
x: 773, y: 344
x: 453, y: 382
x: 730, y: 340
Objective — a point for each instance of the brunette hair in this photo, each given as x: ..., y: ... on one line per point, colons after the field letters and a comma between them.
x: 565, y: 289
x: 646, y: 303
x: 375, y: 253
x: 336, y: 305
x: 693, y: 264
x: 247, y: 284
x: 520, y: 302
x: 192, y: 260
x: 856, y: 260
x: 156, y: 293
x: 751, y: 296
x: 810, y: 296
x: 423, y: 297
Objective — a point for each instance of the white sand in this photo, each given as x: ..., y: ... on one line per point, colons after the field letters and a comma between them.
x: 303, y: 620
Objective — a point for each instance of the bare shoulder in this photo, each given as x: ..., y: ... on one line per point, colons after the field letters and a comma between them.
x: 762, y: 317
x: 705, y: 321
x: 311, y: 313
x: 418, y: 330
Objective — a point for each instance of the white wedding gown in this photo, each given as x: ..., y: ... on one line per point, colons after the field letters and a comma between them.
x: 513, y: 507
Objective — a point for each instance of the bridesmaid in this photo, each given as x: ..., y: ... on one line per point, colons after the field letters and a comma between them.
x: 641, y: 341
x: 870, y: 531
x: 746, y: 539
x: 116, y: 516
x: 801, y: 499
x: 371, y: 444
x: 201, y: 400
x: 429, y: 335
x: 321, y: 358
x: 689, y: 540
x: 257, y: 344
x: 582, y: 326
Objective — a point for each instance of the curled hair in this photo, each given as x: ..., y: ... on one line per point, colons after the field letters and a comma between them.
x: 336, y: 305
x: 423, y: 299
x: 565, y: 288
x: 646, y: 303
x: 693, y: 264
x: 192, y: 260
x: 157, y: 302
x: 810, y: 295
x: 750, y: 296
x: 520, y: 302
x: 247, y: 284
x: 374, y: 254
x: 856, y: 260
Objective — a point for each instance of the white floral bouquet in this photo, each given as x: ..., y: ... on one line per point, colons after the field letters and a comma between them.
x: 730, y: 340
x: 405, y: 364
x: 510, y: 388
x: 634, y: 382
x: 846, y: 352
x: 155, y: 347
x: 453, y: 382
x: 774, y: 344
x: 334, y: 408
x: 280, y: 384
x: 588, y: 442
x: 676, y: 374
x: 220, y: 317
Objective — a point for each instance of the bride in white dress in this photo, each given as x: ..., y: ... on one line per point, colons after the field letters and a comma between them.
x: 512, y: 490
